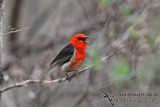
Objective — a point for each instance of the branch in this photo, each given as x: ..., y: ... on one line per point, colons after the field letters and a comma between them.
x: 85, y: 11
x: 27, y: 82
x: 14, y: 31
x: 2, y: 7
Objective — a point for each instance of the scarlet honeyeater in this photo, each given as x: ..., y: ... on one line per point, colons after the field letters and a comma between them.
x: 73, y: 54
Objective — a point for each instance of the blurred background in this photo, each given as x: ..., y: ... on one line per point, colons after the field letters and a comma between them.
x: 46, y: 26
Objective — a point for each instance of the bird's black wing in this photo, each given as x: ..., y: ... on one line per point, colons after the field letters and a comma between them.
x: 64, y: 56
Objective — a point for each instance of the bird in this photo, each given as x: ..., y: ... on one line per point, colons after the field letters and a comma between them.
x: 72, y: 55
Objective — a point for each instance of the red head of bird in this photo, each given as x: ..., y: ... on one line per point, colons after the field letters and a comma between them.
x: 79, y: 41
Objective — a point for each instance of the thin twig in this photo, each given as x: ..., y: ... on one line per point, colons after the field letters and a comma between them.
x: 85, y: 11
x: 14, y: 31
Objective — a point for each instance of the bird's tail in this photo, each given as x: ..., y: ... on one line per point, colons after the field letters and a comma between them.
x: 45, y: 71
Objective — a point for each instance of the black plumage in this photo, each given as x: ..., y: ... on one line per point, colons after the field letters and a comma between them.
x: 64, y: 56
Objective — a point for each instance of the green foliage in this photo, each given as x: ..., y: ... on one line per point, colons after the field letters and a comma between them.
x: 104, y: 3
x: 126, y: 11
x: 132, y: 31
x: 153, y: 37
x: 120, y: 71
x: 95, y: 58
x: 138, y: 20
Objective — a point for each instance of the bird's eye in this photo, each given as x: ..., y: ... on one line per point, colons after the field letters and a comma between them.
x: 79, y: 38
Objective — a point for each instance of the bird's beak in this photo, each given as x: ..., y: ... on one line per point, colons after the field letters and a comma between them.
x: 85, y: 39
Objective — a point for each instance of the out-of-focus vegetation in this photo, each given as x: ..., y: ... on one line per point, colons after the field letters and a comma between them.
x: 126, y: 10
x: 110, y: 25
x: 95, y: 58
x: 104, y: 3
x: 120, y: 72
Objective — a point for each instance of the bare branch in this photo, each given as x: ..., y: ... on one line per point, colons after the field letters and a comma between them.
x: 85, y: 11
x: 2, y: 7
x: 27, y: 82
x: 14, y: 31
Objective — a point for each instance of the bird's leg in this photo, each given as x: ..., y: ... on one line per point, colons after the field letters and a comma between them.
x: 77, y: 71
x: 61, y: 74
x: 61, y: 78
x: 68, y: 77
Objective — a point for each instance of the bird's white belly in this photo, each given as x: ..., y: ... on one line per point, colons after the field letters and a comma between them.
x: 65, y: 66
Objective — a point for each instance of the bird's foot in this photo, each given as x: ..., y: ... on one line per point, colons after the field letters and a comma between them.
x: 77, y: 72
x: 68, y: 78
x: 61, y: 79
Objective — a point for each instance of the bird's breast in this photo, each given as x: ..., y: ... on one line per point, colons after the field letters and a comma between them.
x: 77, y: 60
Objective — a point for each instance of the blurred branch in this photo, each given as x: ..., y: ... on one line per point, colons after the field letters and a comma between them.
x: 15, y: 17
x: 27, y: 82
x: 14, y: 31
x: 85, y: 11
x: 2, y: 7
